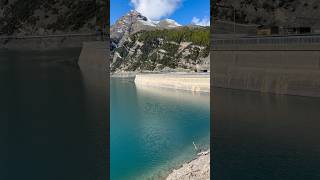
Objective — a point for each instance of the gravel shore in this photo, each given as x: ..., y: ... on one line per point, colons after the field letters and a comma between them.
x: 197, y: 169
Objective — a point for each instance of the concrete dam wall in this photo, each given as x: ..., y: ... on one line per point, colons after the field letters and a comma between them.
x: 275, y: 65
x: 94, y: 55
x: 229, y: 27
x: 48, y: 42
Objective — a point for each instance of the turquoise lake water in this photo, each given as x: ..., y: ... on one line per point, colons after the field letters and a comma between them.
x: 152, y: 129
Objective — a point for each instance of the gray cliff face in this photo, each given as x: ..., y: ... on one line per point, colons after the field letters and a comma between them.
x: 134, y: 22
x: 127, y: 25
x: 38, y: 17
x: 139, y: 44
x: 276, y: 12
x: 25, y: 18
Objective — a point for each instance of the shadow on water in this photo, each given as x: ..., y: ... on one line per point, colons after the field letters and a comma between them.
x: 264, y: 136
x: 51, y: 129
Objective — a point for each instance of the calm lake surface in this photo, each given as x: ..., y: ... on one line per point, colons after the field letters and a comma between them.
x: 152, y: 129
x: 53, y: 117
x: 263, y: 136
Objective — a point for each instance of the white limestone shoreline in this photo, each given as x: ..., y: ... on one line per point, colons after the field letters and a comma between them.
x: 197, y: 169
x: 196, y: 82
x: 123, y: 75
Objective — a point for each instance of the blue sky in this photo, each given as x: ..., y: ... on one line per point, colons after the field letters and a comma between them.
x: 183, y: 11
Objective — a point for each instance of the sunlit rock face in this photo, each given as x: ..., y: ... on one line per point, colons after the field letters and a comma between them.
x: 140, y: 44
x: 134, y: 22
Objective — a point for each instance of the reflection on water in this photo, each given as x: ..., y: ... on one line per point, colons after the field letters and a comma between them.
x: 263, y: 136
x: 53, y: 118
x: 152, y: 129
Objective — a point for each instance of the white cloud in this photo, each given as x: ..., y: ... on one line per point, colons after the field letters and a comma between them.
x: 156, y: 9
x: 205, y: 21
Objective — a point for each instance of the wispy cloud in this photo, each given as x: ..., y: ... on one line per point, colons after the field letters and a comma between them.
x: 205, y: 21
x: 156, y: 9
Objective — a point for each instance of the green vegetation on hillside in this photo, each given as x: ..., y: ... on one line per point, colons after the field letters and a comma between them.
x: 160, y: 48
x: 198, y: 36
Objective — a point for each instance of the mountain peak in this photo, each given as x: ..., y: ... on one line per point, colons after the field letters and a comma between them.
x: 130, y: 23
x: 168, y: 23
x: 134, y: 15
x: 134, y: 21
x: 133, y: 12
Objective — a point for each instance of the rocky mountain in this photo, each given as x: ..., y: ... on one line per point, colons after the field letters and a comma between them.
x: 134, y: 22
x: 272, y: 12
x: 38, y: 17
x: 140, y: 44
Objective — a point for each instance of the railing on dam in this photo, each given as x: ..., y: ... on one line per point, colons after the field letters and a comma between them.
x: 51, y: 41
x: 274, y: 40
x: 49, y: 36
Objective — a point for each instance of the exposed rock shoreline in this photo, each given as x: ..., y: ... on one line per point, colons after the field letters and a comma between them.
x: 187, y: 81
x: 197, y: 169
x: 195, y: 82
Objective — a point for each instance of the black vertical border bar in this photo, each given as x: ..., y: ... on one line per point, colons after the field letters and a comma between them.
x: 211, y: 105
x: 108, y: 85
x: 103, y: 19
x: 107, y: 20
x: 213, y: 129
